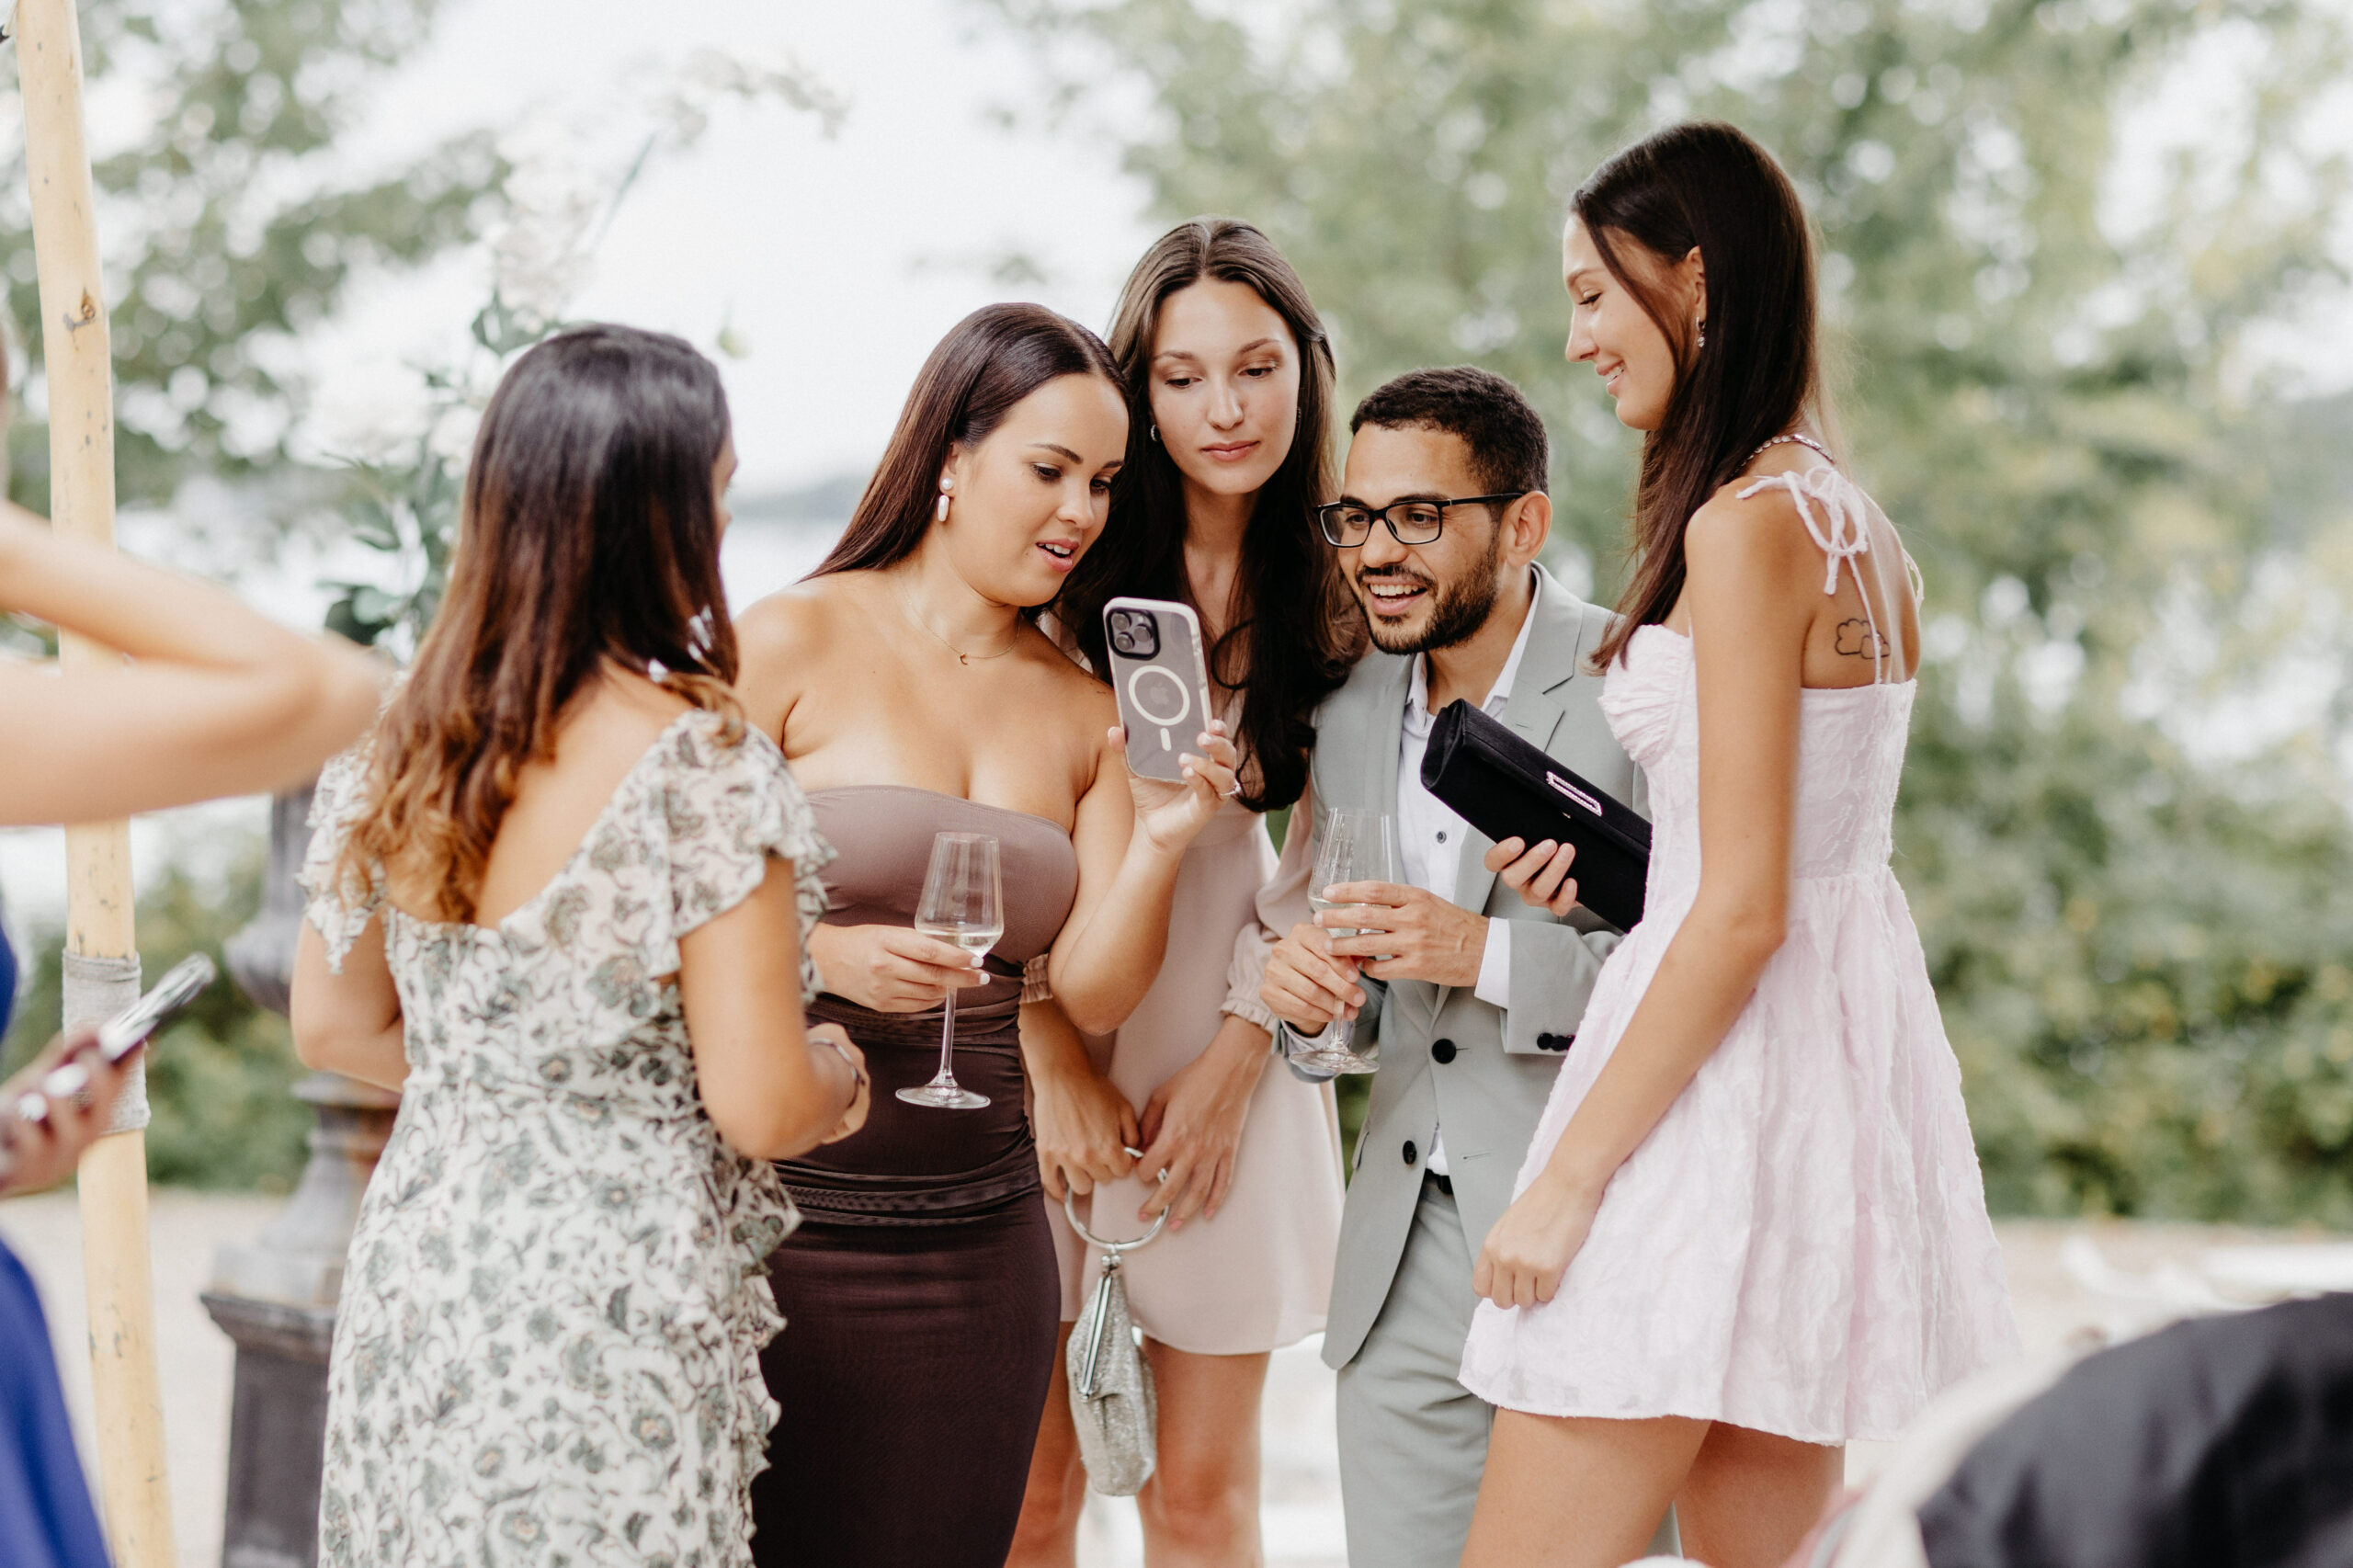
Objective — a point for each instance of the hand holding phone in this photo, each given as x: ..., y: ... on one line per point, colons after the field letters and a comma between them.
x: 120, y: 1035
x: 54, y: 1109
x: 168, y: 999
x: 74, y: 1084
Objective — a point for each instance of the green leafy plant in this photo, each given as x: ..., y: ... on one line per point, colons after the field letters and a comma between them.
x: 205, y: 298
x: 236, y: 218
x: 405, y: 506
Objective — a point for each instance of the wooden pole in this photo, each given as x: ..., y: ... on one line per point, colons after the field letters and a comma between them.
x: 76, y: 353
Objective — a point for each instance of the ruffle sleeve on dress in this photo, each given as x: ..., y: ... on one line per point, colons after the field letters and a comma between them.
x: 717, y: 811
x: 725, y: 808
x: 339, y: 906
x: 1244, y: 973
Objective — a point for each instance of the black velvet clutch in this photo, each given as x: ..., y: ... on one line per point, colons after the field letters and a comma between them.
x: 1506, y: 788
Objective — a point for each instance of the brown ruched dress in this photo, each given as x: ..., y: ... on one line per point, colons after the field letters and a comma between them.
x: 920, y: 1294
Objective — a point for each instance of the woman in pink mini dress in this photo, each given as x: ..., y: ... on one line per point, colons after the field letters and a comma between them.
x: 1751, y: 1226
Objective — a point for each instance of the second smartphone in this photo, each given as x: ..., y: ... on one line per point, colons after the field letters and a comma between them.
x: 1161, y: 678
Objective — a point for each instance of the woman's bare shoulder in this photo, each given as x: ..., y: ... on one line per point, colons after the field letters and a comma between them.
x: 798, y: 611
x: 1067, y: 687
x: 786, y: 631
x: 783, y: 641
x: 1745, y: 534
x: 620, y: 720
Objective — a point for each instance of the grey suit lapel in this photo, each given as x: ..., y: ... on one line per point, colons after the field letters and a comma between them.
x: 1355, y: 746
x: 1386, y: 733
x: 1349, y: 727
x: 1383, y: 733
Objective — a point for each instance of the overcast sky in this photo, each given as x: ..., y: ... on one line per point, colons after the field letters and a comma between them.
x: 835, y: 260
x: 838, y: 261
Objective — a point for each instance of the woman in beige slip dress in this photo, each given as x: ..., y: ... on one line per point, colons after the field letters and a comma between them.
x: 1258, y: 1276
x: 1229, y: 376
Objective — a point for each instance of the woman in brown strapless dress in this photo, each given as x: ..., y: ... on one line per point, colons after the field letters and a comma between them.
x: 913, y: 695
x: 920, y: 1293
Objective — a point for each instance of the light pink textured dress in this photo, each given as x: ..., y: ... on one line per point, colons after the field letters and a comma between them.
x: 1259, y: 1276
x: 1801, y: 1246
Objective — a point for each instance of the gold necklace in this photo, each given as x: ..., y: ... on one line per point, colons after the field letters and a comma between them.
x: 906, y: 608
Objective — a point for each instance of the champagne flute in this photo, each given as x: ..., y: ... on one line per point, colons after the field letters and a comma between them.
x: 1359, y: 845
x: 963, y: 903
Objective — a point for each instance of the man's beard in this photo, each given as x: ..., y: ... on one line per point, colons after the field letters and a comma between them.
x: 1457, y: 609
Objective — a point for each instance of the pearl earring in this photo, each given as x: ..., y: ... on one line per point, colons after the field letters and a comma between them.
x: 939, y: 513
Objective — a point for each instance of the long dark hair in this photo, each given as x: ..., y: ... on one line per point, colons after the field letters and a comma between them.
x: 1295, y: 628
x: 589, y: 533
x: 989, y: 361
x: 1709, y: 185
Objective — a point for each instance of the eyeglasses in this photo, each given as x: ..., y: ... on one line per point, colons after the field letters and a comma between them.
x: 1347, y: 524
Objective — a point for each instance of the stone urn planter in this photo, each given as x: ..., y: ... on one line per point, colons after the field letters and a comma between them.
x: 275, y: 1295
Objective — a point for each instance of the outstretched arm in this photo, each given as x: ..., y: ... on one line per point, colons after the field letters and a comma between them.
x: 1130, y: 836
x: 1748, y: 599
x: 219, y: 699
x: 1085, y: 1127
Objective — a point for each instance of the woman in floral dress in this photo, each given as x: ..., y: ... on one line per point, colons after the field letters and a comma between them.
x: 559, y: 902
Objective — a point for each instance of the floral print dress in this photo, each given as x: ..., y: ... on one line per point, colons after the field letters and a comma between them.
x: 548, y: 1349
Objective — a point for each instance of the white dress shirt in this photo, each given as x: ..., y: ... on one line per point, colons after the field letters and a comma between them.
x: 1429, y: 834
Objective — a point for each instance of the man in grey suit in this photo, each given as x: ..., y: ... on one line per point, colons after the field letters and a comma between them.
x: 1441, y: 518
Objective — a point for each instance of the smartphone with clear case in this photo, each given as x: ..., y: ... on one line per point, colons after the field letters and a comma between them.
x: 1161, y: 678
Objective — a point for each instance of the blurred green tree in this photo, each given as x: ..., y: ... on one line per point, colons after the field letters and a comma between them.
x: 2057, y: 238
x: 404, y: 505
x: 220, y: 1080
x: 235, y: 216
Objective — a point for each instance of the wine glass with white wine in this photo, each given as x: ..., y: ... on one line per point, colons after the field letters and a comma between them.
x: 1359, y: 845
x: 963, y: 902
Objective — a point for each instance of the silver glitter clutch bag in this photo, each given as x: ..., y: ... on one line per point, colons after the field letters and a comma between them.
x: 1111, y: 1397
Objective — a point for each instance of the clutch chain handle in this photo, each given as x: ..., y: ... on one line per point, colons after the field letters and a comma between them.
x: 1111, y: 1250
x: 1100, y: 1305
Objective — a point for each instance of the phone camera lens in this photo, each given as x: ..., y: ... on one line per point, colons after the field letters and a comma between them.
x: 1133, y: 634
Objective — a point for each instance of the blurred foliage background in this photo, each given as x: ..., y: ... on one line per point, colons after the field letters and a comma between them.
x: 240, y: 216
x: 2062, y: 240
x: 236, y: 218
x: 2069, y: 249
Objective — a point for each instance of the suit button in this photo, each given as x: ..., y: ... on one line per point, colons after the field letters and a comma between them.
x: 1555, y: 1041
x: 1441, y: 1051
x: 1409, y: 1151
